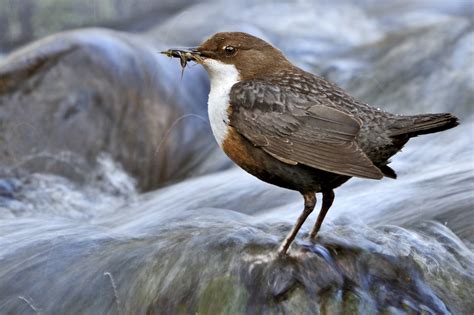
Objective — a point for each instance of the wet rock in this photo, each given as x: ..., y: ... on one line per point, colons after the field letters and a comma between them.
x: 181, y: 267
x: 70, y: 97
x: 8, y: 186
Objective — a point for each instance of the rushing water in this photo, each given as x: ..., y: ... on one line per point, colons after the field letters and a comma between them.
x: 78, y: 234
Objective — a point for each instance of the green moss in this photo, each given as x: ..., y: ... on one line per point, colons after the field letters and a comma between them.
x: 222, y: 295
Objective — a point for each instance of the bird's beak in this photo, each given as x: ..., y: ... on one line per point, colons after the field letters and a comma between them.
x: 186, y: 54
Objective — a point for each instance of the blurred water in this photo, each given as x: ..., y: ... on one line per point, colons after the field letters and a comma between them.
x: 207, y: 244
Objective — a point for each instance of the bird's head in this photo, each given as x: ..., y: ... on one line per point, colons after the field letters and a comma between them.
x: 251, y: 56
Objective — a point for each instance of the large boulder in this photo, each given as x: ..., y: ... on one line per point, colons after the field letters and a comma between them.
x: 68, y: 98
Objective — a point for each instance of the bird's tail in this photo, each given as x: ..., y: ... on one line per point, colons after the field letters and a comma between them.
x: 412, y: 126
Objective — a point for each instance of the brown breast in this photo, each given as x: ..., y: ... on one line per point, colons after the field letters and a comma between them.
x: 242, y: 152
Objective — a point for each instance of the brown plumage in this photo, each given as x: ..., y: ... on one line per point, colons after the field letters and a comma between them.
x: 296, y: 130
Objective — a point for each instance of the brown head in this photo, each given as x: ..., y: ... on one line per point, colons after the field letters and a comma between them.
x: 251, y: 56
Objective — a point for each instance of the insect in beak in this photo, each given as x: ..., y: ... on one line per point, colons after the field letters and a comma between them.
x: 184, y: 56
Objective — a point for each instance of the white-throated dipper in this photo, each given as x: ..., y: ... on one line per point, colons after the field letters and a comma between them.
x: 293, y: 129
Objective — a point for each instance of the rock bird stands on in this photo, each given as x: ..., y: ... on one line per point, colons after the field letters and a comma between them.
x: 293, y: 129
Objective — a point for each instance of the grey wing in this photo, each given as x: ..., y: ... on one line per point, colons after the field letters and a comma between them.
x: 294, y: 130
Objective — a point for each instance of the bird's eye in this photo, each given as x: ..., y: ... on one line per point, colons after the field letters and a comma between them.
x: 229, y: 50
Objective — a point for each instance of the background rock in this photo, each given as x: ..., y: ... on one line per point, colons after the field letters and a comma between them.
x: 24, y: 20
x: 71, y: 96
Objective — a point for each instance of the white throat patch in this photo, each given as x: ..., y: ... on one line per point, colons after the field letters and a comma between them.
x: 223, y: 76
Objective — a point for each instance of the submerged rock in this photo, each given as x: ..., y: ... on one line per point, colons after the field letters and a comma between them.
x: 214, y: 261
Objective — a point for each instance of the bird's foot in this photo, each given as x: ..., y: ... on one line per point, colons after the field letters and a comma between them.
x: 312, y: 238
x: 283, y: 250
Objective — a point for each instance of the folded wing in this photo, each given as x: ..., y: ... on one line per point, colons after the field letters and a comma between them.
x: 294, y: 130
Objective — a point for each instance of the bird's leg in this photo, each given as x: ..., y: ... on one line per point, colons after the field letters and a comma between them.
x: 309, y: 203
x: 328, y: 198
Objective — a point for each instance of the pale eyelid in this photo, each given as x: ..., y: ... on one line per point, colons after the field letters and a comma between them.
x: 237, y: 47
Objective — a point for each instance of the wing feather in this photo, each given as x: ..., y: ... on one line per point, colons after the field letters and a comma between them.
x: 293, y: 130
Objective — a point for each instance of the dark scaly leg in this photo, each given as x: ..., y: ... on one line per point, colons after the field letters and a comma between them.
x: 309, y: 203
x: 328, y: 198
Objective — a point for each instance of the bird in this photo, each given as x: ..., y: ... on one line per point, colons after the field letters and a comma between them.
x: 296, y: 130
